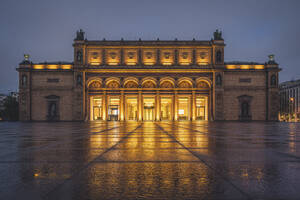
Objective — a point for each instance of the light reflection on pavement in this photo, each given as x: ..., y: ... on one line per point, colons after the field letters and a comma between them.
x: 149, y: 160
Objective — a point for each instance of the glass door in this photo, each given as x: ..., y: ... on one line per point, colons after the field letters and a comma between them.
x: 113, y: 108
x: 131, y: 108
x: 148, y: 111
x: 166, y: 108
x: 201, y: 108
x: 96, y: 108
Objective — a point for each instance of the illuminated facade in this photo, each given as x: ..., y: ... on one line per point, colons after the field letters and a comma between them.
x: 290, y: 101
x: 148, y: 81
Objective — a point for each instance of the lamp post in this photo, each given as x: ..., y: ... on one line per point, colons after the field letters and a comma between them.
x: 292, y: 101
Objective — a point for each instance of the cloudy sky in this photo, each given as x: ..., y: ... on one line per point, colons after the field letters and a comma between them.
x: 252, y: 29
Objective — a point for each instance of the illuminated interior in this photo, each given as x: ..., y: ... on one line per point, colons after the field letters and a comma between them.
x: 131, y: 108
x: 113, y: 108
x: 201, y: 108
x: 96, y: 108
x: 166, y: 108
x: 183, y: 108
x: 148, y: 111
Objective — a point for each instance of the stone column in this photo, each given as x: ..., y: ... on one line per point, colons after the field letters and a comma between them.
x: 140, y: 106
x: 104, y: 107
x: 122, y: 106
x: 122, y: 57
x: 103, y: 57
x: 84, y: 97
x: 175, y: 57
x: 175, y: 105
x: 158, y: 57
x: 140, y: 57
x: 193, y: 105
x: 194, y: 57
x: 157, y: 106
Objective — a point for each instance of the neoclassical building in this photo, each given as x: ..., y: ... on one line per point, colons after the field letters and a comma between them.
x: 148, y: 81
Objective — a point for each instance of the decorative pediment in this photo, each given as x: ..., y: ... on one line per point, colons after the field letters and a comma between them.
x: 244, y: 98
x: 52, y: 97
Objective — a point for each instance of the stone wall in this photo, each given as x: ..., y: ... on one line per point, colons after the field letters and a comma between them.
x: 237, y: 84
x: 45, y: 84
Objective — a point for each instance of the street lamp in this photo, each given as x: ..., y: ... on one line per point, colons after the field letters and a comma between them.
x: 292, y: 101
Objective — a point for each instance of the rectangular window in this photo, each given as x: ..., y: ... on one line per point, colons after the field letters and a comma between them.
x: 245, y: 80
x: 52, y: 80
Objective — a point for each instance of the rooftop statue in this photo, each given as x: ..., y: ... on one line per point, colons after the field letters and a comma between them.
x: 79, y: 35
x: 218, y: 35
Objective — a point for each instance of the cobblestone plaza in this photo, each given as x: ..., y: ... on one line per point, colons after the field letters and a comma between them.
x: 149, y: 160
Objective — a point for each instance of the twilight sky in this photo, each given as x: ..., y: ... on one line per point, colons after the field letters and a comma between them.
x: 252, y: 29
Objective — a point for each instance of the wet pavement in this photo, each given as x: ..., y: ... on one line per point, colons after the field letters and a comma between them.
x: 150, y: 160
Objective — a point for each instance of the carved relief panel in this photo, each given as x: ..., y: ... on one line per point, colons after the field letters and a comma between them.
x: 149, y: 56
x: 94, y: 56
x: 130, y: 56
x: 203, y: 56
x: 167, y: 56
x: 185, y: 56
x: 112, y: 56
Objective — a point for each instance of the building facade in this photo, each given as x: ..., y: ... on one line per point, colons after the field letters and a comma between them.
x: 290, y: 101
x: 148, y: 81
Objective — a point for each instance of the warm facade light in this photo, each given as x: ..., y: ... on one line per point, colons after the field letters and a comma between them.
x: 231, y: 66
x: 245, y: 66
x: 38, y: 66
x: 95, y: 63
x: 259, y: 67
x: 66, y: 66
x: 202, y: 63
x: 131, y: 63
x: 52, y: 66
x: 112, y: 63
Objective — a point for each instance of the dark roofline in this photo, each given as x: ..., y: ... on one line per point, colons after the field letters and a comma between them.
x: 243, y: 63
x: 148, y: 42
x: 55, y: 62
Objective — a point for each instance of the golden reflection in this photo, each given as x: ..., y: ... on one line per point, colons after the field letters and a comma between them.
x: 292, y: 139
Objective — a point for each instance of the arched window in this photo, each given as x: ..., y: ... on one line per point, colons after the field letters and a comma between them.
x: 79, y: 56
x: 24, y: 80
x: 219, y: 80
x: 79, y: 80
x: 273, y: 80
x: 219, y: 56
x: 52, y: 107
